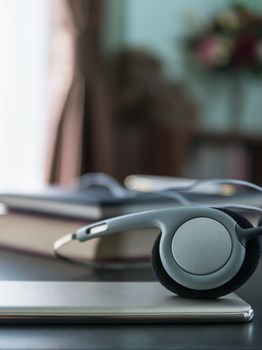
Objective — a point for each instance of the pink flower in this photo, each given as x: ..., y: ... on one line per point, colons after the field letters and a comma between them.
x: 214, y: 50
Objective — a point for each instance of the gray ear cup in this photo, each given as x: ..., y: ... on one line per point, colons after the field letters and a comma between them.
x: 248, y: 267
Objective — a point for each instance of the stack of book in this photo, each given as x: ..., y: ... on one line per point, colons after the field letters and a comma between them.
x: 33, y: 221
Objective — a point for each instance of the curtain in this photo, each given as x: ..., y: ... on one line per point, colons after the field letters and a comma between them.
x: 80, y: 129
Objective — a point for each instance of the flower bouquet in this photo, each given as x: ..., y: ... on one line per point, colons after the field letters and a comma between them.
x: 232, y: 40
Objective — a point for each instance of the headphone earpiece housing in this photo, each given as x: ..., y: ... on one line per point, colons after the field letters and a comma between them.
x: 231, y: 277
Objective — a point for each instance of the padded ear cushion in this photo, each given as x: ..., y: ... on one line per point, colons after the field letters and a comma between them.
x: 247, y: 269
x: 260, y: 222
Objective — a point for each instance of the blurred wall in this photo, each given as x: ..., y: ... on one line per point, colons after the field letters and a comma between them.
x: 24, y: 39
x: 160, y: 26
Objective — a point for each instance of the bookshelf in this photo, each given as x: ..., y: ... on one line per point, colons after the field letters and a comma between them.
x: 229, y: 154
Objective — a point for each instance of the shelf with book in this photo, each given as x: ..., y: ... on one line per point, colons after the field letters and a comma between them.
x: 225, y: 155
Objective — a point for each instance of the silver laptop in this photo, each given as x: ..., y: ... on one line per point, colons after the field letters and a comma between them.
x: 112, y: 302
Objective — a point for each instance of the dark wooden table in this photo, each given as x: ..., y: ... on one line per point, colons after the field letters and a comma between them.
x: 105, y: 336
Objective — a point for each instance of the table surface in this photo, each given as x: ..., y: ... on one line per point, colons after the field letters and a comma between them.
x: 14, y: 266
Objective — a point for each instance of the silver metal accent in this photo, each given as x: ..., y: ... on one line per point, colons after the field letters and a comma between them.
x: 97, y: 229
x: 248, y: 315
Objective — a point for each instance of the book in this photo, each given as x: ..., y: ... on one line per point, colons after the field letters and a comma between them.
x: 36, y: 234
x: 92, y: 204
x: 96, y: 204
x: 152, y: 183
x: 211, y: 159
x: 206, y: 193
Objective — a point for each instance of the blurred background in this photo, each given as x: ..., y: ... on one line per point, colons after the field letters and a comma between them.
x: 159, y: 87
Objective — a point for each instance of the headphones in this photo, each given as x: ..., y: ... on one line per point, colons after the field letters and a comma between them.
x: 201, y: 251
